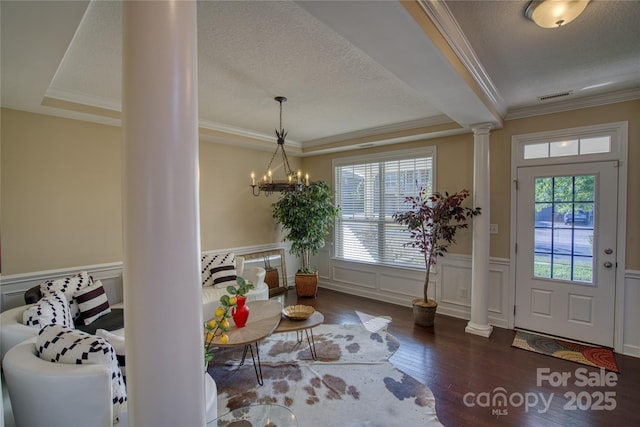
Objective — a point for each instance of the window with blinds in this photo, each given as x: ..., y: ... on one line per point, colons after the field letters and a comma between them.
x: 369, y: 190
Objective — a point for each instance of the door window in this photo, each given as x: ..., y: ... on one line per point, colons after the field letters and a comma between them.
x: 564, y: 218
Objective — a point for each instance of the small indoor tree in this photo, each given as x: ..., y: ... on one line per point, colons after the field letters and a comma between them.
x: 432, y: 222
x: 307, y: 215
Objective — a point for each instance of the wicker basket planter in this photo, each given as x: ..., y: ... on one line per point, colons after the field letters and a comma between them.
x: 307, y: 284
x: 272, y: 278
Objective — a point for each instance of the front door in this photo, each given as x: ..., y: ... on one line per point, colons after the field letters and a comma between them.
x: 565, y: 250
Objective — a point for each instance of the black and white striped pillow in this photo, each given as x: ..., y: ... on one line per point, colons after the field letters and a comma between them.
x: 58, y: 344
x: 219, y: 270
x: 69, y: 285
x: 92, y: 302
x: 52, y: 309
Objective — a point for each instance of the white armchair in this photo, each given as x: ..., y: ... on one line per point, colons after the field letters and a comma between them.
x: 50, y: 394
x: 12, y: 330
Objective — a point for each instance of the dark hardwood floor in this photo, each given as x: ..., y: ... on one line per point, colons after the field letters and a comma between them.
x: 454, y: 364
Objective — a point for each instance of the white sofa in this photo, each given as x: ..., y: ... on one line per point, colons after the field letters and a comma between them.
x: 255, y: 275
x: 13, y: 331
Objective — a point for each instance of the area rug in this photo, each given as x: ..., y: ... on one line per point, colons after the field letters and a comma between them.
x: 351, y: 384
x: 373, y: 323
x: 600, y: 357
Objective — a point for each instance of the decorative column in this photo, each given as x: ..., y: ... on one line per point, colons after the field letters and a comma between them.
x: 162, y: 296
x: 479, y: 323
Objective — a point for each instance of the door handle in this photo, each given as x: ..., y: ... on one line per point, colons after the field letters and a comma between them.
x: 608, y: 264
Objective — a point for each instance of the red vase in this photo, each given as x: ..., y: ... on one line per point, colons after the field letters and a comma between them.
x: 240, y: 313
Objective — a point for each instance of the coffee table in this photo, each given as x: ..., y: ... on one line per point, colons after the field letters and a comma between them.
x: 264, y: 317
x: 300, y: 326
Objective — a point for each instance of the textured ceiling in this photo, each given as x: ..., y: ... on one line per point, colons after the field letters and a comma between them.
x: 602, y: 47
x: 354, y: 71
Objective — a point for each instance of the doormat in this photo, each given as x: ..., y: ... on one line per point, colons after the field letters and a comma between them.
x: 599, y: 357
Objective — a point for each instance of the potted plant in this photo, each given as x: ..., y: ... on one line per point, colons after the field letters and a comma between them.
x: 308, y: 215
x: 433, y: 222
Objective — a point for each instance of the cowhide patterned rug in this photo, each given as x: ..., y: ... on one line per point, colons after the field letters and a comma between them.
x: 351, y: 384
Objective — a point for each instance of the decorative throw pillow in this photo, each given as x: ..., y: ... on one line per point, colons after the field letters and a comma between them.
x: 117, y: 342
x: 58, y: 344
x: 69, y: 285
x: 92, y: 302
x: 52, y: 309
x: 219, y: 270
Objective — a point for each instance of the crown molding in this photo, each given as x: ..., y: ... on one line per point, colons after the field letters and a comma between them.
x: 81, y: 98
x: 441, y: 16
x: 574, y: 104
x: 380, y: 130
x: 243, y: 133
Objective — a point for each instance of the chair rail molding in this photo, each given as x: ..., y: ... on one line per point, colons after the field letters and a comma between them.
x: 13, y: 287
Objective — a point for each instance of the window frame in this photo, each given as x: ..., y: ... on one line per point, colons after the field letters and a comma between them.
x: 396, y: 155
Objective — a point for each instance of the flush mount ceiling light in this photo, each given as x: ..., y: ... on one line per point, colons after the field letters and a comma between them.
x: 293, y: 181
x: 555, y: 13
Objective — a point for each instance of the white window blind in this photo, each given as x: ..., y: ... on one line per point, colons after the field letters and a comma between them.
x: 369, y: 192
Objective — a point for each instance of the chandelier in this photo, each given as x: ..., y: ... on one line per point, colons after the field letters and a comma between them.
x: 292, y: 181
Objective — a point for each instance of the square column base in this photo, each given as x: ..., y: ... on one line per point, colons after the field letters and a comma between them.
x: 482, y: 330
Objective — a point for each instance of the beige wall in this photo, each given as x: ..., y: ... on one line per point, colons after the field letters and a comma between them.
x: 60, y: 193
x: 61, y: 196
x: 455, y: 168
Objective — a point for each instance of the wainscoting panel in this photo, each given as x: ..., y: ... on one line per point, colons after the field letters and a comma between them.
x: 354, y: 276
x: 454, y: 284
x: 406, y: 284
x: 450, y: 284
x: 14, y: 286
x: 631, y: 334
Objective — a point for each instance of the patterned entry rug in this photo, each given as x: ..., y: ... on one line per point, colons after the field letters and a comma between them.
x: 351, y: 384
x: 600, y: 357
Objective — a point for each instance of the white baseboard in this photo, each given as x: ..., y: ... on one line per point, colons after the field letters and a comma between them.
x: 631, y: 350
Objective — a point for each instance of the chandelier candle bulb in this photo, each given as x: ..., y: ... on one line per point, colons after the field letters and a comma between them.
x: 270, y: 177
x: 253, y: 178
x: 299, y: 175
x: 306, y: 178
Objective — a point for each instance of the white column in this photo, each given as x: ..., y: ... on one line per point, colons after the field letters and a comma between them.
x: 162, y: 296
x: 479, y: 323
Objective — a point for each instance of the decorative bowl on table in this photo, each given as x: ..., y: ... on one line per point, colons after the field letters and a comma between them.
x: 298, y: 312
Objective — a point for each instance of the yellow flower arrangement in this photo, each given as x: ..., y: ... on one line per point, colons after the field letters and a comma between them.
x: 217, y: 327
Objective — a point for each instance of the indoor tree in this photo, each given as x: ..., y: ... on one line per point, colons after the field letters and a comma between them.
x: 432, y: 222
x: 307, y: 215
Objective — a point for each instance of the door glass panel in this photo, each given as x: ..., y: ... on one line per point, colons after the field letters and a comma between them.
x: 564, y: 218
x: 563, y: 148
x: 536, y: 151
x: 601, y: 144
